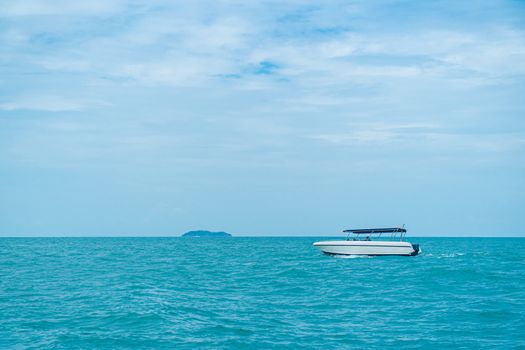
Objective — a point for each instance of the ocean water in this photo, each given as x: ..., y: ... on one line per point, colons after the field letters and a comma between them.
x: 258, y: 293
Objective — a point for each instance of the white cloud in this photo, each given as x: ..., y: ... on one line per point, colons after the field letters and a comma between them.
x: 10, y: 8
x: 65, y: 64
x: 48, y: 103
x: 176, y: 70
x: 185, y: 44
x: 422, y: 135
x: 376, y: 133
x: 496, y: 142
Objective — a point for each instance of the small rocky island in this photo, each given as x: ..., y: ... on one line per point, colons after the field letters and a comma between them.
x: 203, y: 233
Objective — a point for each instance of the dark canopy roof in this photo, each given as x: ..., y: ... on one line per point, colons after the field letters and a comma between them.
x: 360, y: 231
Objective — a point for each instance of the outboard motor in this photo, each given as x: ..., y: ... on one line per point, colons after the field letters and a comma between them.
x: 416, y: 249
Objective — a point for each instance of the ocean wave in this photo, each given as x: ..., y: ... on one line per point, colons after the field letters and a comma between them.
x: 269, y: 293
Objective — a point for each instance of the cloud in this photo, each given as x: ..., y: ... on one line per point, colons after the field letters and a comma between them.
x: 423, y: 135
x: 180, y: 44
x: 48, y: 103
x: 13, y: 8
x: 65, y: 64
x: 376, y: 133
x: 300, y: 58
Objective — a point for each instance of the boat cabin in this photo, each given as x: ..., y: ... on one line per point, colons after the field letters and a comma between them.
x: 365, y: 234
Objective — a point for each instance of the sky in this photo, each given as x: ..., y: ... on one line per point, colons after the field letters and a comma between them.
x: 261, y: 117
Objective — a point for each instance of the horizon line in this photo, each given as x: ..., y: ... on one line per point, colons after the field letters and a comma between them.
x: 238, y: 236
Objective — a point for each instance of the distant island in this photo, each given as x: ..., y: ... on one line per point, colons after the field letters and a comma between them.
x: 203, y: 233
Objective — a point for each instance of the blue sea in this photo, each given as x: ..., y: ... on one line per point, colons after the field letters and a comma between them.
x: 258, y: 293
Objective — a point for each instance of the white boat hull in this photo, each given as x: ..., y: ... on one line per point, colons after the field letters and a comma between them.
x: 367, y: 248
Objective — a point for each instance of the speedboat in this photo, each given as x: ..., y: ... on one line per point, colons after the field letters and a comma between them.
x: 362, y: 243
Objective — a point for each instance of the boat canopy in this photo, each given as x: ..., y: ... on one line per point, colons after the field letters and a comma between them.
x: 361, y: 231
